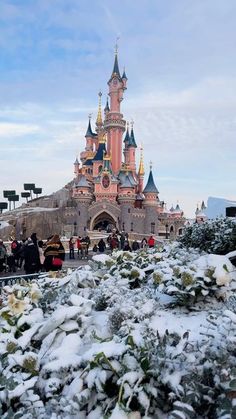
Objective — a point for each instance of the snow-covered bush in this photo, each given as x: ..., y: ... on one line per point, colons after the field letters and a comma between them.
x: 213, y: 236
x: 106, y: 341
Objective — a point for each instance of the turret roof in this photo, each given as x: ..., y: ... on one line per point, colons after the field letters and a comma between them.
x: 132, y: 142
x: 116, y: 70
x: 89, y: 132
x: 150, y: 186
x: 127, y: 136
x: 100, y: 152
x: 127, y: 182
x: 124, y: 75
x: 83, y: 182
x: 88, y: 162
x: 76, y: 161
x: 107, y: 108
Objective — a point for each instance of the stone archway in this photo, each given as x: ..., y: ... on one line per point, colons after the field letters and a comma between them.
x: 102, y: 221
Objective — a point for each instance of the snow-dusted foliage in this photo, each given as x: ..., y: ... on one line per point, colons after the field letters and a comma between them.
x: 133, y: 335
x: 213, y: 236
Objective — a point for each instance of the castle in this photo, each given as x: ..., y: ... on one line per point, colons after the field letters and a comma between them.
x: 109, y: 185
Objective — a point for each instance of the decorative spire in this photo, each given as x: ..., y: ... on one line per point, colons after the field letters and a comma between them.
x: 127, y: 136
x: 76, y: 161
x: 124, y: 75
x: 203, y: 206
x: 89, y: 132
x: 107, y: 108
x: 116, y: 71
x: 99, y: 116
x: 150, y: 186
x: 141, y: 171
x: 132, y: 142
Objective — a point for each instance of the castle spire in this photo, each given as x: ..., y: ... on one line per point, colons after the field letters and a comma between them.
x: 141, y: 171
x: 89, y: 132
x: 116, y: 71
x: 107, y: 108
x: 150, y: 186
x: 99, y: 115
x: 127, y: 136
x: 132, y: 142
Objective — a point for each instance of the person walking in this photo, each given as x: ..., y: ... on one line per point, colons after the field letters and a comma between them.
x: 144, y: 243
x: 78, y: 243
x: 54, y: 254
x: 101, y: 246
x: 135, y: 246
x: 32, y: 262
x: 151, y: 242
x: 3, y: 255
x: 71, y: 248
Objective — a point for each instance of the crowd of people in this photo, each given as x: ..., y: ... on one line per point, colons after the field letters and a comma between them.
x: 34, y: 255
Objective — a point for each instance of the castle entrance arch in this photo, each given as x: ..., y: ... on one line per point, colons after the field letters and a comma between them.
x: 103, y: 221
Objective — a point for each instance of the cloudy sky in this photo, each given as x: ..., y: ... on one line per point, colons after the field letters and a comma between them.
x: 180, y: 60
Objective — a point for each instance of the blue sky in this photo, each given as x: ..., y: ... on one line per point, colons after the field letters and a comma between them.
x: 180, y: 61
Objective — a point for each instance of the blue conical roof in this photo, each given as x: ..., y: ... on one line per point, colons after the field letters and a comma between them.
x: 89, y: 132
x: 100, y: 152
x: 124, y: 75
x: 127, y: 136
x: 132, y: 142
x: 150, y: 186
x: 107, y: 108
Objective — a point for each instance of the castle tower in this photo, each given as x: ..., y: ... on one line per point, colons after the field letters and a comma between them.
x: 150, y: 204
x: 114, y: 123
x: 131, y: 150
x: 141, y: 172
x: 76, y: 167
x: 126, y: 143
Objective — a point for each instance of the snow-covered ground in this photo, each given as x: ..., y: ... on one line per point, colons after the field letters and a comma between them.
x: 147, y: 334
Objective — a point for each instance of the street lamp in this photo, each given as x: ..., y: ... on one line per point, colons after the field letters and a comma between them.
x: 166, y: 231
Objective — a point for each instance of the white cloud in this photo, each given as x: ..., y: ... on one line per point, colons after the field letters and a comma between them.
x: 10, y: 129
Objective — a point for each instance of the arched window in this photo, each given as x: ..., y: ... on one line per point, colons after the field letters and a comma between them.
x: 180, y: 231
x: 171, y: 229
x: 132, y: 227
x: 129, y: 210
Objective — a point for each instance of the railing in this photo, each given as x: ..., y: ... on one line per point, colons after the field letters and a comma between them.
x: 17, y: 279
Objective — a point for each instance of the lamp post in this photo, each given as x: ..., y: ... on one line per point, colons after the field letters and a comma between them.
x: 75, y: 228
x: 166, y: 231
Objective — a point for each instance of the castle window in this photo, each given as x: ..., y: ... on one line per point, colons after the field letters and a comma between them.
x: 123, y: 226
x: 171, y: 229
x: 132, y: 227
x: 152, y: 228
x: 129, y: 210
x: 180, y: 231
x: 79, y: 213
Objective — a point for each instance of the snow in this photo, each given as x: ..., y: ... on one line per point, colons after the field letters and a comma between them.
x: 4, y: 224
x: 100, y: 343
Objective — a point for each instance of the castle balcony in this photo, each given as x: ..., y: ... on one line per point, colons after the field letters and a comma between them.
x: 115, y: 123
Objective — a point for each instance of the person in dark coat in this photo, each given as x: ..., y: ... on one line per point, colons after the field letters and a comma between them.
x: 32, y: 262
x: 135, y: 245
x: 101, y: 246
x: 127, y: 247
x: 54, y: 254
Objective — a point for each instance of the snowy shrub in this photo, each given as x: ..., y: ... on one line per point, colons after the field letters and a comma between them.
x: 213, y: 236
x: 137, y: 335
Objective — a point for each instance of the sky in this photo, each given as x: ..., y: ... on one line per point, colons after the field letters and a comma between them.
x: 180, y: 60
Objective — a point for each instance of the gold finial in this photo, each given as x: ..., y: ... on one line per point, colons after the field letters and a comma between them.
x: 141, y: 164
x: 99, y: 116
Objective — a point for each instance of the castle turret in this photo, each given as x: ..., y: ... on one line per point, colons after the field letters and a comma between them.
x: 151, y: 204
x: 131, y: 150
x: 124, y: 79
x: 141, y: 172
x: 98, y: 158
x: 114, y: 123
x: 126, y: 143
x: 76, y: 167
x: 83, y: 195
